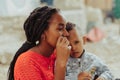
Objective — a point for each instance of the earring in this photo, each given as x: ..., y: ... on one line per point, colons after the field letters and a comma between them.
x: 37, y: 42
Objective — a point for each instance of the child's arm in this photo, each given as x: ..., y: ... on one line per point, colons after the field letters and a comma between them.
x: 96, y: 67
x: 103, y: 71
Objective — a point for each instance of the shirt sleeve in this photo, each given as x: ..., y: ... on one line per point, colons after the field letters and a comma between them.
x: 102, y: 70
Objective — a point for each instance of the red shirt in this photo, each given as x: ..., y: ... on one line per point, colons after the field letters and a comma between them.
x: 33, y: 66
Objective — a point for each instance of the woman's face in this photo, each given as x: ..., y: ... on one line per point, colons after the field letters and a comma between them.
x: 57, y: 28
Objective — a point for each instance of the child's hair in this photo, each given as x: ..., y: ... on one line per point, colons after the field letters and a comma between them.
x: 34, y: 26
x: 70, y: 26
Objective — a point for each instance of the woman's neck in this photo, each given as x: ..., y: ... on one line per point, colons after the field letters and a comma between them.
x: 44, y: 49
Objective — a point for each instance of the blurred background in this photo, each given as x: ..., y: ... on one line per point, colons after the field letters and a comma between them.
x: 98, y: 19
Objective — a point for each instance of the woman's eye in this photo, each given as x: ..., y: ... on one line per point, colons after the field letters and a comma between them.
x: 60, y: 29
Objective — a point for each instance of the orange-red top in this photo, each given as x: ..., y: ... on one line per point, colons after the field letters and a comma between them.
x: 33, y: 66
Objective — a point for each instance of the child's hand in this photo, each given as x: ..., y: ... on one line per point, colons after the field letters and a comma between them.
x: 100, y: 78
x: 84, y: 76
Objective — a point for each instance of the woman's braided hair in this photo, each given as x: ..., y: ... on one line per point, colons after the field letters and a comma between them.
x: 34, y: 26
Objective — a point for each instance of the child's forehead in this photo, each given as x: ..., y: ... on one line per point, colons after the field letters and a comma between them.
x: 73, y: 34
x: 74, y: 39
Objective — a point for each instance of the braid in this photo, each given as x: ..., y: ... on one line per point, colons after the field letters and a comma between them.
x: 37, y: 23
x: 34, y: 26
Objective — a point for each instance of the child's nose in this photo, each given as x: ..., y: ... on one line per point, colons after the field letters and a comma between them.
x: 73, y: 48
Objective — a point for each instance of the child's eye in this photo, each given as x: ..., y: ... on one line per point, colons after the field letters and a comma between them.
x: 76, y: 42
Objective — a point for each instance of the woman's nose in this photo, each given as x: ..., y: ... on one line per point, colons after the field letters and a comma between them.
x: 65, y: 33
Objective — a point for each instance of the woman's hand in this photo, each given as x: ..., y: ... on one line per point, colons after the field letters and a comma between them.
x: 62, y: 50
x: 62, y: 55
x: 84, y: 76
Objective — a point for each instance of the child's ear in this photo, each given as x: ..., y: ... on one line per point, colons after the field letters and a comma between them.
x: 84, y: 40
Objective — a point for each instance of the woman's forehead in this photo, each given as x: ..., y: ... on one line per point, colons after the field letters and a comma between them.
x: 57, y: 18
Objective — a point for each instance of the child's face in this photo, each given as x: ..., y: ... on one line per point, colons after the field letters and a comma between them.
x: 76, y: 43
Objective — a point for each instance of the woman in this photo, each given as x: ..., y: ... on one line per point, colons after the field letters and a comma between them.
x: 45, y: 31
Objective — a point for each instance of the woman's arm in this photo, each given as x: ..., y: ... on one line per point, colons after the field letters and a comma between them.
x: 62, y: 55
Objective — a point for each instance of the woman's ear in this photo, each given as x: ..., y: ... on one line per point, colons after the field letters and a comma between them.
x: 84, y: 40
x: 43, y: 36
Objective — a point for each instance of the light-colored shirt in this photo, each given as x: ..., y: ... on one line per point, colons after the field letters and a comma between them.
x: 87, y: 62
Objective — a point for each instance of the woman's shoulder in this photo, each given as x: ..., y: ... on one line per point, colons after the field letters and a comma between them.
x: 28, y: 57
x: 34, y: 57
x: 28, y: 54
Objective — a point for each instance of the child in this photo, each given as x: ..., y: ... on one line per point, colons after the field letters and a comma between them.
x: 82, y: 61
